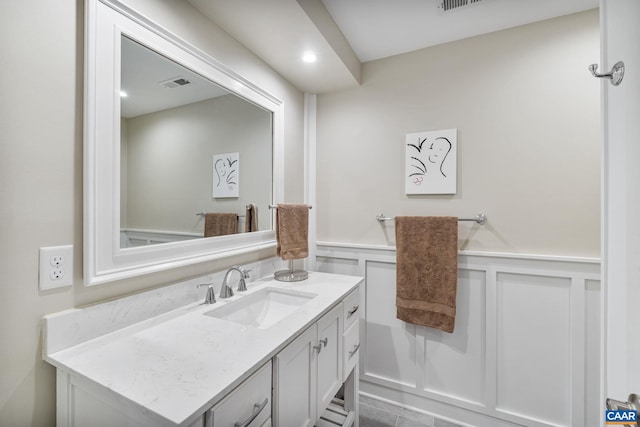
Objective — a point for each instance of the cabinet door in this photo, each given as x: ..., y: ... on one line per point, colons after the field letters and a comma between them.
x: 330, y: 357
x: 351, y: 343
x: 294, y: 377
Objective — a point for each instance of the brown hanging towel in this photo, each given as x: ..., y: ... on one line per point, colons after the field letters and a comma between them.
x: 251, y: 218
x: 427, y: 270
x: 292, y: 231
x: 220, y: 224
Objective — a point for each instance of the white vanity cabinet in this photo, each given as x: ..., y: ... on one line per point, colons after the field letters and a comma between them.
x: 308, y: 372
x: 343, y: 411
x: 185, y: 368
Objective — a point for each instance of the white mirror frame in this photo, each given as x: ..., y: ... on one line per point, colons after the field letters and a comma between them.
x: 104, y: 260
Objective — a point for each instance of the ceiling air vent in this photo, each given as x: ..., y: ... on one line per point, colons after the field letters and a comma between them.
x: 447, y: 5
x: 175, y: 82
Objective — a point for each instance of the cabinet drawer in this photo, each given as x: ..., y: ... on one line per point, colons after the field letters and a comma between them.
x: 249, y: 404
x: 351, y: 307
x: 351, y: 345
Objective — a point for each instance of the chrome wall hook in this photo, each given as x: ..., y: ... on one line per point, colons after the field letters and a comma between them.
x: 615, y: 75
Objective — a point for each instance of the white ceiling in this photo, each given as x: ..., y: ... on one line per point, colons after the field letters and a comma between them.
x: 143, y: 71
x: 380, y: 28
x: 345, y: 33
x: 278, y: 31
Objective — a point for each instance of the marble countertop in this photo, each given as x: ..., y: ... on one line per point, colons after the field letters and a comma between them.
x: 173, y: 367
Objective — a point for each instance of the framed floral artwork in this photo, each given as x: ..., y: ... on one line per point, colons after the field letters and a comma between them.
x: 431, y: 162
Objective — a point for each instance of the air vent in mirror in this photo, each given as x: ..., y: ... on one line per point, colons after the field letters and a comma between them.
x: 175, y: 82
x: 447, y: 5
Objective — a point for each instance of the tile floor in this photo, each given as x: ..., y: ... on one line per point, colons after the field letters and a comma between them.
x: 374, y: 413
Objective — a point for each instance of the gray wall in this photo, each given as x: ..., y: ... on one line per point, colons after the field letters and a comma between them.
x: 170, y: 170
x: 528, y: 118
x: 41, y: 176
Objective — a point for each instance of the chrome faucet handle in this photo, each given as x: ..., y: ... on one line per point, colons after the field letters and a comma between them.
x: 242, y: 285
x: 244, y: 274
x: 244, y: 271
x: 226, y: 291
x: 211, y: 296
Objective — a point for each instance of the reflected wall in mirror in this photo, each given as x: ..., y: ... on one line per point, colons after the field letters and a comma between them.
x: 148, y: 160
x: 173, y: 123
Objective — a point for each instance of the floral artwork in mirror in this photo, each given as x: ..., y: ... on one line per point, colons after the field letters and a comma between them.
x: 226, y: 175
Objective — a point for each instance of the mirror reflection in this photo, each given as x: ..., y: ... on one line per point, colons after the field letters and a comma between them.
x: 195, y: 159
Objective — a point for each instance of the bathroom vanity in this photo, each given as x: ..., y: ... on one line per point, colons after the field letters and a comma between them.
x: 276, y: 354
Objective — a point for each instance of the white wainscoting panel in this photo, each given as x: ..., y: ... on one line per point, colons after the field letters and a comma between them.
x: 133, y: 238
x: 384, y: 330
x: 534, y: 346
x: 592, y: 352
x: 455, y: 363
x: 525, y: 350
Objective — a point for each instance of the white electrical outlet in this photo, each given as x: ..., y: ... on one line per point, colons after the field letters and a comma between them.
x: 56, y: 267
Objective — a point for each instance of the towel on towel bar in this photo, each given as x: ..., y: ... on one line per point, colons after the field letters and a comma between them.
x: 251, y: 218
x: 292, y: 231
x: 220, y: 224
x: 427, y: 270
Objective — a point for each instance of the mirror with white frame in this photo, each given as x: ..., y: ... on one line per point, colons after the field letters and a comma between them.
x: 190, y: 137
x: 188, y: 148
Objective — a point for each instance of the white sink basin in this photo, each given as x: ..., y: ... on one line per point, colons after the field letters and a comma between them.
x: 263, y: 308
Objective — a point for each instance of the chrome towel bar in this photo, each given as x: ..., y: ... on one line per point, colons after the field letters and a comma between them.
x: 203, y: 214
x: 276, y: 207
x: 480, y: 218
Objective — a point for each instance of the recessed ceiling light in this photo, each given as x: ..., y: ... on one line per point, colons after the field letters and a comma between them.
x: 123, y: 94
x: 309, y: 57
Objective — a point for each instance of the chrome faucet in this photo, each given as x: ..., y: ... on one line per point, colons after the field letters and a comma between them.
x: 211, y: 296
x: 226, y: 291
